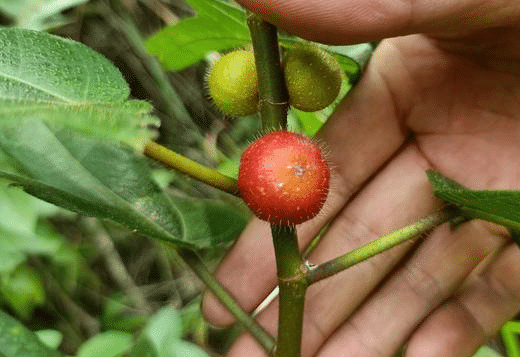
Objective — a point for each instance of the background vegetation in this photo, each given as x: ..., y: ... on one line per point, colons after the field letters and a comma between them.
x: 84, y: 284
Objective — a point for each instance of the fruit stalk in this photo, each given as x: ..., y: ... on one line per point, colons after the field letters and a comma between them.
x: 191, y: 168
x: 271, y: 83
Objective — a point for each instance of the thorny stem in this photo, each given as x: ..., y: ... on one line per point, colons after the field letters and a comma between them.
x: 191, y: 168
x: 380, y: 245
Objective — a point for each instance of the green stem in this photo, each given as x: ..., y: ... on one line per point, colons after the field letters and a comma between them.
x: 371, y: 249
x: 257, y: 331
x: 289, y: 263
x: 271, y: 82
x: 191, y: 168
x: 293, y: 285
x: 286, y: 248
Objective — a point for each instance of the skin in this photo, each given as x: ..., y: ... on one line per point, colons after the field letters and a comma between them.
x: 444, y: 95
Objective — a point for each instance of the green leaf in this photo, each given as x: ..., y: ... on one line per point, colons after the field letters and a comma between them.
x: 20, y: 212
x: 183, y: 348
x: 163, y: 334
x: 218, y: 26
x: 486, y: 351
x: 90, y: 177
x: 18, y: 341
x: 191, y: 316
x: 498, y: 206
x: 21, y: 230
x: 164, y: 327
x: 96, y: 178
x: 510, y: 332
x: 38, y: 14
x: 143, y: 348
x: 67, y: 84
x: 117, y: 315
x: 353, y: 58
x: 16, y: 245
x: 50, y: 338
x: 212, y: 219
x: 311, y: 122
x: 23, y: 290
x: 106, y: 344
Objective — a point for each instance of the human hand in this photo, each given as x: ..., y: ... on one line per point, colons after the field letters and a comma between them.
x: 448, y: 99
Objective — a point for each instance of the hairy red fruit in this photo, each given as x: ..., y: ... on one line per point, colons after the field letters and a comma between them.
x: 284, y: 178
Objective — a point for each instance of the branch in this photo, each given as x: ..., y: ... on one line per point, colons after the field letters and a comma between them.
x: 115, y: 264
x: 196, y: 264
x: 371, y: 249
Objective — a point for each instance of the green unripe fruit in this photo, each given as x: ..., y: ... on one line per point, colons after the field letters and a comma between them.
x: 313, y: 77
x: 233, y: 83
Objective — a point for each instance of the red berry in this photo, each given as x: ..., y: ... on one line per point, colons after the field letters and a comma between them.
x: 284, y: 178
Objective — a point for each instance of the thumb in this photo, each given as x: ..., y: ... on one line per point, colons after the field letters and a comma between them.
x: 351, y: 21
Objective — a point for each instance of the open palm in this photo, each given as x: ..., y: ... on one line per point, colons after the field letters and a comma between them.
x: 448, y: 101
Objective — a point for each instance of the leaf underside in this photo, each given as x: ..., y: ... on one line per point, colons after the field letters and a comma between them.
x: 497, y: 206
x: 100, y: 179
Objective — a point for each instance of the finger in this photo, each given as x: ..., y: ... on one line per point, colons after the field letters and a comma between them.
x: 390, y: 201
x: 466, y: 321
x: 341, y: 21
x: 363, y: 133
x: 432, y: 274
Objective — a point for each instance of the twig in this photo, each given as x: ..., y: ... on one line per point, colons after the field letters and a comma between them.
x: 380, y: 245
x: 115, y: 264
x: 76, y: 313
x: 258, y: 332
